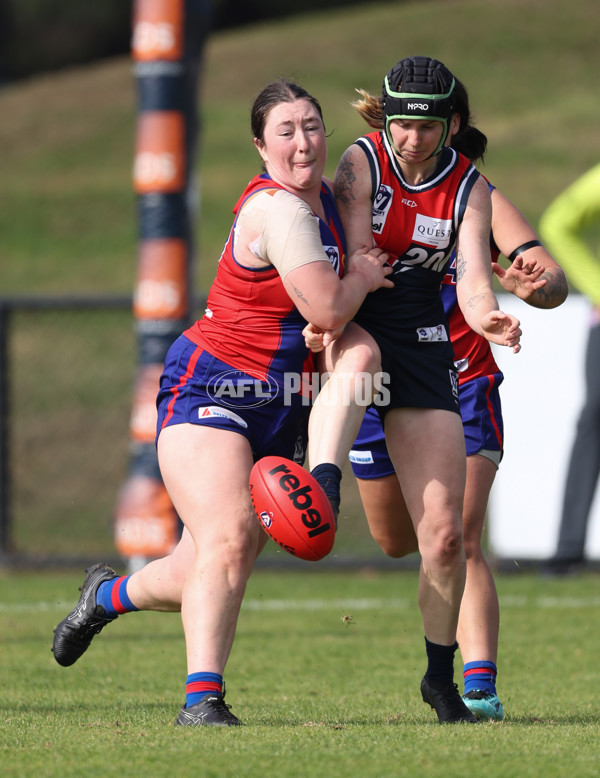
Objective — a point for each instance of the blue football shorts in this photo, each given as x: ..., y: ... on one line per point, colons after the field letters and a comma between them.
x: 198, y: 388
x: 481, y: 414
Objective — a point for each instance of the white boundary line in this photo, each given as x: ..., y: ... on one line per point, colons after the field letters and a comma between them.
x: 261, y: 604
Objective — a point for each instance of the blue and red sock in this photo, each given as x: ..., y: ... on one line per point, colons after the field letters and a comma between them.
x: 112, y: 595
x: 198, y: 685
x: 480, y: 675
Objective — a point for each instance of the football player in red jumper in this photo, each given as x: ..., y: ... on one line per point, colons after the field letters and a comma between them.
x: 224, y: 401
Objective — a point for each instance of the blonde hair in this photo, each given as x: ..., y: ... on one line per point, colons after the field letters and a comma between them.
x: 370, y: 108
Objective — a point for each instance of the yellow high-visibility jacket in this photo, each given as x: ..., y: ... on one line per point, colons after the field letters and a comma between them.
x: 567, y: 228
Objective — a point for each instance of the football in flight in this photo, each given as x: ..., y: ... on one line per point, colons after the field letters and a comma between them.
x: 292, y: 508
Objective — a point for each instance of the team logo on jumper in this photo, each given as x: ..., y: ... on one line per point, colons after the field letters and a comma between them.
x: 462, y: 364
x: 432, y: 232
x: 381, y: 206
x: 334, y: 257
x: 233, y: 388
x: 432, y: 334
x: 213, y: 412
x: 361, y: 457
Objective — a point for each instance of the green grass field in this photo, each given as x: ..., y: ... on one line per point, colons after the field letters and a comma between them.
x: 321, y: 696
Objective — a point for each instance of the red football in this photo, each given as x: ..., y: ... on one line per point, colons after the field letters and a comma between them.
x: 292, y: 508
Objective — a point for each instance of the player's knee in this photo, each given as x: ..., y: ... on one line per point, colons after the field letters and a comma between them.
x: 359, y: 359
x: 234, y: 551
x: 444, y: 548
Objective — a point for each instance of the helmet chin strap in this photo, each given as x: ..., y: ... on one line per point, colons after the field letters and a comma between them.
x: 441, y: 144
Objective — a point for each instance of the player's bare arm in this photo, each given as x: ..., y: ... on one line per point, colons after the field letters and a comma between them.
x: 511, y: 231
x: 352, y: 190
x: 474, y: 268
x: 345, y: 178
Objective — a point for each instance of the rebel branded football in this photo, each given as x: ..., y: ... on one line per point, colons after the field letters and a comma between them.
x: 293, y: 509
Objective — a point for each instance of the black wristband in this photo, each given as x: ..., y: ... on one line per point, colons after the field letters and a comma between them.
x: 523, y: 247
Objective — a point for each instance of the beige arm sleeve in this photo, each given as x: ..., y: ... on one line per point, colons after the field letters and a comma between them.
x: 290, y: 236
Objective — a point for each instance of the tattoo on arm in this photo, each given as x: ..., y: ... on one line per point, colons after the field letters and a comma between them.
x: 344, y: 179
x: 299, y: 295
x: 554, y: 292
x: 472, y: 302
x: 461, y: 265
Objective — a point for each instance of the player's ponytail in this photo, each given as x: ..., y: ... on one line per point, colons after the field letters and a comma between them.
x: 469, y: 140
x: 370, y: 108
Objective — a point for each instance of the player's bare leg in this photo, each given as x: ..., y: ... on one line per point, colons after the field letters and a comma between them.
x: 478, y: 623
x: 206, y: 472
x: 338, y: 411
x: 427, y: 449
x: 387, y: 515
x: 479, y: 619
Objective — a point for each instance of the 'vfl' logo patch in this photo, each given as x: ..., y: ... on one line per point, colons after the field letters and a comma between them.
x: 334, y: 257
x: 381, y: 206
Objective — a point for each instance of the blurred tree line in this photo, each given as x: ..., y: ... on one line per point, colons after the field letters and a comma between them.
x: 43, y: 35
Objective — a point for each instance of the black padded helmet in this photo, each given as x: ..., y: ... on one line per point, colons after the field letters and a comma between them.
x: 427, y: 93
